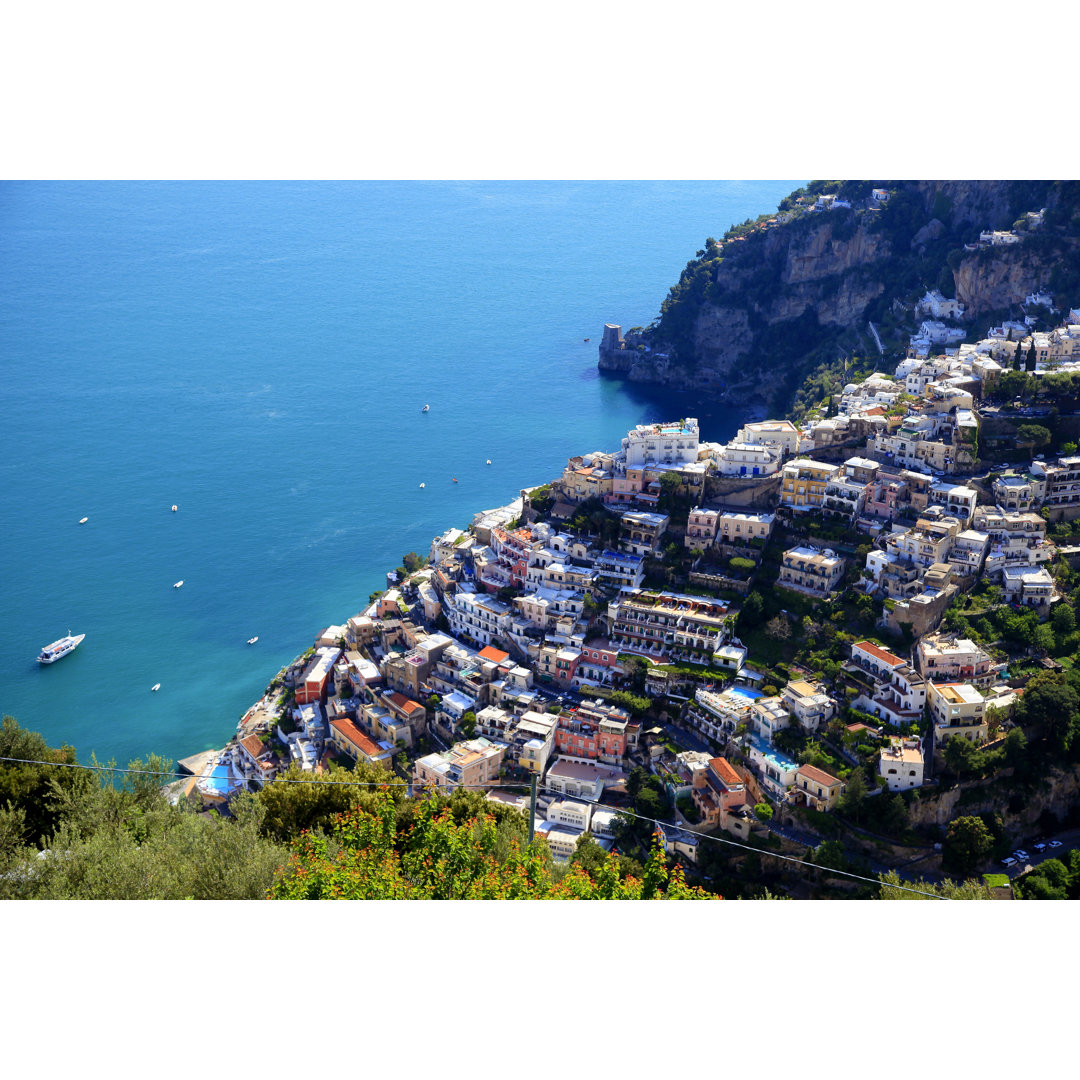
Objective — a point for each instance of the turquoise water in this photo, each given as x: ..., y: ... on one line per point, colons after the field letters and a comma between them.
x: 258, y: 354
x: 218, y: 780
x: 746, y: 692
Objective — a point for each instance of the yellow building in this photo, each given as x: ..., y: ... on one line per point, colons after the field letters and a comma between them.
x: 804, y: 483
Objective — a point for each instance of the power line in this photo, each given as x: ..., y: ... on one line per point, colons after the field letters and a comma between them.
x: 786, y: 858
x: 662, y: 825
x: 272, y: 780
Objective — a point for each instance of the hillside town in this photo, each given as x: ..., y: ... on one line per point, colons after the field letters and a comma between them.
x: 812, y: 635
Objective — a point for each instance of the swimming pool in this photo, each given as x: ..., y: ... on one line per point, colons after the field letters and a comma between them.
x: 746, y: 692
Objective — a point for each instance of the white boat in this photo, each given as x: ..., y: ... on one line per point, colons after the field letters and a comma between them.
x: 422, y: 485
x: 175, y: 508
x: 425, y: 408
x: 156, y: 686
x: 179, y: 583
x: 252, y: 640
x: 83, y: 521
x: 488, y: 462
x: 60, y: 648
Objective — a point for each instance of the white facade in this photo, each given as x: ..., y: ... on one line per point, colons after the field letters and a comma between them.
x: 901, y: 765
x: 666, y: 443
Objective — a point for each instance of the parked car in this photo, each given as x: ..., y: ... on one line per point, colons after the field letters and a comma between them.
x: 1039, y: 847
x: 1008, y: 861
x: 1054, y: 844
x: 1020, y: 854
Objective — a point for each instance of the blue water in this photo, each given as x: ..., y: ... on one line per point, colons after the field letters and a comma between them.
x: 258, y: 354
x: 746, y: 692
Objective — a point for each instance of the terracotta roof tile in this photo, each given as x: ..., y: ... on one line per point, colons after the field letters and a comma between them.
x: 818, y: 775
x: 878, y: 652
x: 725, y: 771
x: 351, y: 732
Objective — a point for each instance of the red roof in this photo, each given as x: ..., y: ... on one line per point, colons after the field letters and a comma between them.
x: 811, y: 772
x: 406, y: 705
x: 351, y: 732
x: 254, y: 746
x: 877, y: 651
x: 725, y: 771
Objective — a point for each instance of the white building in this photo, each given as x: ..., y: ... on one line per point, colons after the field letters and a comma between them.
x: 901, y: 764
x: 748, y: 459
x: 477, y: 616
x: 668, y: 443
x: 779, y: 433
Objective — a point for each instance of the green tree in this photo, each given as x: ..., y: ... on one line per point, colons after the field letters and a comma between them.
x: 1052, y: 702
x: 962, y: 757
x: 763, y: 811
x: 1033, y: 436
x: 1050, y: 880
x: 893, y: 888
x: 435, y: 857
x: 298, y: 801
x: 412, y: 562
x: 467, y: 727
x: 855, y: 789
x: 967, y: 843
x: 751, y: 612
x: 1063, y: 619
x: 32, y: 788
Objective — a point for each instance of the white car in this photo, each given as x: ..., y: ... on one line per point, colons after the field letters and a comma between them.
x: 1054, y: 843
x: 1020, y: 854
x: 1008, y: 861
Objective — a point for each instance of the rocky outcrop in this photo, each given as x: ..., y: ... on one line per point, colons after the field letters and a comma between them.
x: 1058, y: 794
x: 1000, y: 281
x: 751, y: 315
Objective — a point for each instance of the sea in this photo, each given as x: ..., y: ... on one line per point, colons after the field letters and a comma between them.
x: 259, y: 354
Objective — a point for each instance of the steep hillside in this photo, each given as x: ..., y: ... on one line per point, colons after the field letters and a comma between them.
x: 754, y: 313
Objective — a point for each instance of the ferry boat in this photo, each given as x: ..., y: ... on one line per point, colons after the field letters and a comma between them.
x: 60, y: 648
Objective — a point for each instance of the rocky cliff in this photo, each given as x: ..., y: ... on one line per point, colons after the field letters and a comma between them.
x: 753, y: 313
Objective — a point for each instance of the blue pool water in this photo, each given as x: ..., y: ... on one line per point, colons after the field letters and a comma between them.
x: 746, y: 692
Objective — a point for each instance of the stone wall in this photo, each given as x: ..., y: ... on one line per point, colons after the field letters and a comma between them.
x: 741, y: 491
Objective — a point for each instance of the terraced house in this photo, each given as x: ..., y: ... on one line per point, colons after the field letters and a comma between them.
x: 659, y: 623
x: 808, y: 570
x: 804, y: 483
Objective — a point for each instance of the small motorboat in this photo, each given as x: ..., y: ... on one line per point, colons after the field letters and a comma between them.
x: 586, y: 341
x: 83, y: 521
x: 252, y: 640
x: 425, y: 408
x: 423, y: 485
x: 454, y: 478
x: 174, y: 508
x: 156, y: 686
x: 488, y: 462
x: 179, y: 583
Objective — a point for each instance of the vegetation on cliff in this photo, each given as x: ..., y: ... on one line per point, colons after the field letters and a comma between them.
x: 794, y: 292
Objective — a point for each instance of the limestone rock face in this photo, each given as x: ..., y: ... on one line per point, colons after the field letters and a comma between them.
x: 990, y: 284
x: 745, y: 320
x: 819, y: 254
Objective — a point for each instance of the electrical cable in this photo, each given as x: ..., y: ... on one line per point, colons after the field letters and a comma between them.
x: 662, y: 825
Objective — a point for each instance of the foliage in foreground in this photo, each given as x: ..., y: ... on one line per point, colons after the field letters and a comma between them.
x: 949, y: 890
x: 433, y: 857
